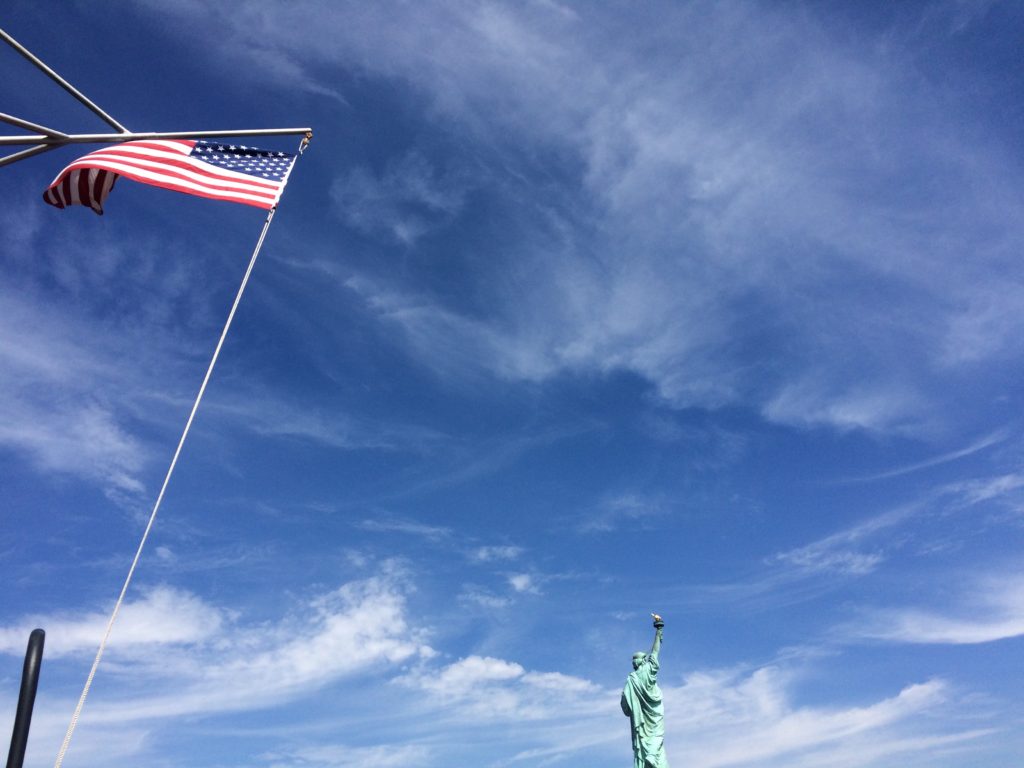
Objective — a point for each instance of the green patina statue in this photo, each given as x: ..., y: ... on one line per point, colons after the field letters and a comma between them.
x: 641, y: 703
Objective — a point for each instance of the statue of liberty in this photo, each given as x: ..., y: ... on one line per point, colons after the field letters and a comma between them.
x: 641, y: 703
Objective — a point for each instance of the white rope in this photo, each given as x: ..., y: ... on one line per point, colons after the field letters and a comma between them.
x: 170, y: 470
x: 160, y: 496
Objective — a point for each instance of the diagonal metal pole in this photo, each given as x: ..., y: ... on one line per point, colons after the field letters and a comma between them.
x: 16, y: 156
x: 30, y: 126
x: 61, y: 81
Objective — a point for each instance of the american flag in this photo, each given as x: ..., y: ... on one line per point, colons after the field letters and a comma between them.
x: 220, y: 171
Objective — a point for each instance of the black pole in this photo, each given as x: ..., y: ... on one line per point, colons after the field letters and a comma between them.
x: 26, y: 699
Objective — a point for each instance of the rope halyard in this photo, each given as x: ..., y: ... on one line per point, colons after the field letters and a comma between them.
x: 167, y: 477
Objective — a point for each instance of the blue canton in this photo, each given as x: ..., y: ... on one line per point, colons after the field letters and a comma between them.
x: 260, y: 163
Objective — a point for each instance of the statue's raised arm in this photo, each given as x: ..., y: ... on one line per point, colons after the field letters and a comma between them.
x: 641, y: 703
x: 659, y: 625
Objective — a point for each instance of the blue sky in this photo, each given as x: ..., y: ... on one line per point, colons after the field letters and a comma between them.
x: 571, y: 313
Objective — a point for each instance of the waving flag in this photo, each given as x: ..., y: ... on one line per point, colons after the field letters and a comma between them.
x: 219, y: 171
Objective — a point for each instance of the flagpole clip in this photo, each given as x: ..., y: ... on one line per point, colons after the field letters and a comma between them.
x: 305, y: 141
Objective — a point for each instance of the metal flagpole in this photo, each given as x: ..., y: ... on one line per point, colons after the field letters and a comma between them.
x: 58, y: 138
x: 51, y: 139
x: 170, y: 471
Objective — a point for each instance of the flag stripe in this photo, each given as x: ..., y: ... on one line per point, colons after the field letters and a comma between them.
x: 153, y: 157
x: 200, y: 191
x: 108, y: 184
x: 71, y: 190
x: 158, y: 175
x: 185, y: 170
x: 82, y: 190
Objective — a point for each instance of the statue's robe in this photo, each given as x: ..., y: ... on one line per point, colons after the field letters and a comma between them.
x: 641, y: 703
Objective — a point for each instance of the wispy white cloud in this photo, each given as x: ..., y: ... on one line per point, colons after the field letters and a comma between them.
x: 714, y: 718
x: 408, y: 199
x: 54, y: 409
x: 350, y: 756
x: 83, y: 440
x: 908, y: 750
x: 731, y: 719
x: 985, y: 489
x: 162, y: 616
x: 492, y: 553
x: 806, y: 405
x: 622, y: 509
x: 470, y: 345
x: 726, y: 255
x: 825, y: 559
x: 499, y: 690
x: 95, y: 346
x: 861, y: 550
x: 837, y: 553
x: 463, y: 675
x: 477, y: 596
x: 981, y: 444
x: 985, y: 324
x: 524, y: 583
x: 988, y: 610
x: 240, y: 667
x: 272, y: 415
x: 410, y: 527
